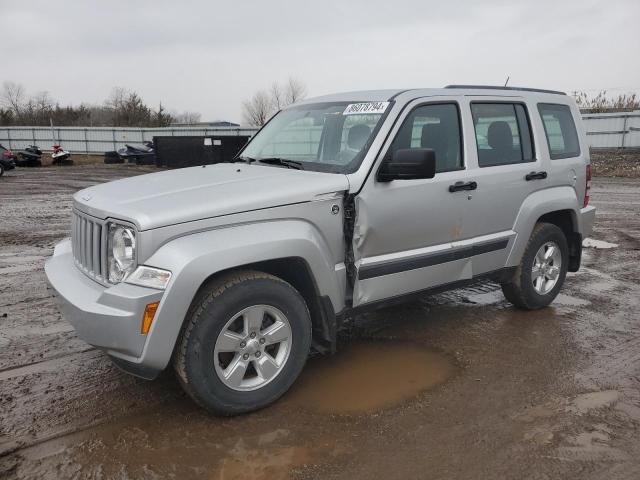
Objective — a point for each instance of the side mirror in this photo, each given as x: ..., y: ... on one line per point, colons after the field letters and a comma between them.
x: 409, y: 164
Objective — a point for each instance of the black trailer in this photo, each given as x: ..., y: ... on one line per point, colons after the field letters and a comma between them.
x: 190, y: 151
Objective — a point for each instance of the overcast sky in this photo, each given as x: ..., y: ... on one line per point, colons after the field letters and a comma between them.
x: 207, y: 56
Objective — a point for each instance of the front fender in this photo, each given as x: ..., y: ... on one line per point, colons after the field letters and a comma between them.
x: 534, y: 206
x: 194, y: 258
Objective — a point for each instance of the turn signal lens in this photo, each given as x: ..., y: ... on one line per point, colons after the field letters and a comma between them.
x: 147, y: 318
x: 587, y: 188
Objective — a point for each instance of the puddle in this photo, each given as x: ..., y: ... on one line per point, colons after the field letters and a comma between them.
x: 593, y: 400
x: 368, y: 377
x: 568, y: 300
x: 260, y: 464
x: 485, y: 298
x: 598, y: 244
x: 182, y: 445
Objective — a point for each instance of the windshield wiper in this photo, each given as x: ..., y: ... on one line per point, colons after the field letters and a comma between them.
x: 282, y: 162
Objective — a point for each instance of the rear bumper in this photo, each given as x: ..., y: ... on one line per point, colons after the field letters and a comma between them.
x: 587, y: 217
x: 108, y: 318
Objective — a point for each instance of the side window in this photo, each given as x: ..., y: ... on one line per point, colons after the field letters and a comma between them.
x: 503, y: 134
x: 437, y: 127
x: 560, y: 130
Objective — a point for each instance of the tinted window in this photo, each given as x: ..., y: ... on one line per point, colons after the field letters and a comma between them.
x: 560, y: 130
x: 503, y: 135
x: 436, y: 127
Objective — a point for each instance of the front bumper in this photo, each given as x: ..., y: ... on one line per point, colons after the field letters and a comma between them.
x: 108, y: 318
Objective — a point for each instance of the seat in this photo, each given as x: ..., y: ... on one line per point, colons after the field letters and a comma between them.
x: 434, y: 137
x: 357, y: 136
x: 500, y: 139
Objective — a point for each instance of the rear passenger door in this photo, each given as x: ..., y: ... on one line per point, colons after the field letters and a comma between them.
x: 506, y: 171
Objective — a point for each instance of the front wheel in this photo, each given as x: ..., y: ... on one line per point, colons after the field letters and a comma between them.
x: 542, y: 270
x: 246, y: 339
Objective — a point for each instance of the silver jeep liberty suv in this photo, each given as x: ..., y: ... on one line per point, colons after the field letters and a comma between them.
x: 233, y: 272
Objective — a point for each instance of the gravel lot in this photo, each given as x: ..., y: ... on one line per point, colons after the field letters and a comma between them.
x: 458, y: 385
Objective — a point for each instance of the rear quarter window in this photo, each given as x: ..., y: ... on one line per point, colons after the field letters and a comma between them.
x: 560, y: 130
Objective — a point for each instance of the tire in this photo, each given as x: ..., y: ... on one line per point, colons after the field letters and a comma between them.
x: 200, y: 367
x: 520, y: 289
x: 1, y: 169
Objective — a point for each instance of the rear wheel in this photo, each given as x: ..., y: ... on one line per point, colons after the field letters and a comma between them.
x: 246, y: 340
x: 542, y: 270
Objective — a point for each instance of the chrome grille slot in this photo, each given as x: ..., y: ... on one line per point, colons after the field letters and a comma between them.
x: 86, y: 243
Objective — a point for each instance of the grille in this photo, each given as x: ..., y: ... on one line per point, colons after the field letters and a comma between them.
x: 87, y: 241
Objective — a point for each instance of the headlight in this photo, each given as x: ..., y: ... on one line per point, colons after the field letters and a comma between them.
x: 121, y: 252
x: 150, y: 277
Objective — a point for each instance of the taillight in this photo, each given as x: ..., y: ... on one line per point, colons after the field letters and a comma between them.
x: 587, y: 187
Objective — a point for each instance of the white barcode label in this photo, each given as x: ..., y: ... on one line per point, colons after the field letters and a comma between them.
x: 366, y: 108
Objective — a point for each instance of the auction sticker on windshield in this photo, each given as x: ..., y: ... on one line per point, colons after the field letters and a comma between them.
x: 365, y: 108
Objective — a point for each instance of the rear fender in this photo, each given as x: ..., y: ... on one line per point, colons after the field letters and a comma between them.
x: 535, y: 206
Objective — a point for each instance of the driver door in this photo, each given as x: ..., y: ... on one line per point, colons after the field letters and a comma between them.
x: 409, y: 234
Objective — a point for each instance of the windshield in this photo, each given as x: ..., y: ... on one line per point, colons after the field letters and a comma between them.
x: 328, y: 137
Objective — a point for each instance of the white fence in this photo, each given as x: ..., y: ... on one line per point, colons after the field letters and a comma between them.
x: 613, y: 130
x: 604, y: 130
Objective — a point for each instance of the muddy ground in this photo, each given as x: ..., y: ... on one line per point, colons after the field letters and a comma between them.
x: 616, y: 162
x: 458, y: 385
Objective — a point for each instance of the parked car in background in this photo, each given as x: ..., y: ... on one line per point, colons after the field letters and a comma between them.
x: 7, y: 160
x: 233, y: 272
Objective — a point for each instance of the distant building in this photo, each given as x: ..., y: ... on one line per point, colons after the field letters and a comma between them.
x: 213, y: 124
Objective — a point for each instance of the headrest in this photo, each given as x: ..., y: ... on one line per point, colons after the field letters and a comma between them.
x: 432, y: 136
x: 499, y: 136
x: 357, y: 136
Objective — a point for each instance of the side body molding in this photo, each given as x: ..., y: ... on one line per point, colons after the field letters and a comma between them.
x: 534, y: 206
x: 194, y: 258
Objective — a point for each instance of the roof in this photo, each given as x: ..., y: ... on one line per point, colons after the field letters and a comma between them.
x: 410, y: 94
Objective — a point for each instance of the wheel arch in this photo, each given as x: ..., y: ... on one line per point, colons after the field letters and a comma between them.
x: 566, y: 220
x: 557, y: 205
x: 290, y: 249
x: 297, y: 272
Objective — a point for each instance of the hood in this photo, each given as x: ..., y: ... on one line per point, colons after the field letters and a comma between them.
x: 187, y: 194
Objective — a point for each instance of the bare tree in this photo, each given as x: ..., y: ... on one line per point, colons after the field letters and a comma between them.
x: 295, y: 91
x: 258, y: 109
x: 277, y: 96
x: 13, y: 97
x: 42, y: 101
x: 187, y: 118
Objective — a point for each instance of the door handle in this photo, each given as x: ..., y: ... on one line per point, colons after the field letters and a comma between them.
x: 535, y: 176
x: 460, y: 186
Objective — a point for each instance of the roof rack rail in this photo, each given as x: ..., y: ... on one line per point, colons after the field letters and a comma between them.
x: 490, y: 87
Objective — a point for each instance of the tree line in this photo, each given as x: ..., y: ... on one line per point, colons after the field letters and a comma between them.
x: 123, y: 108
